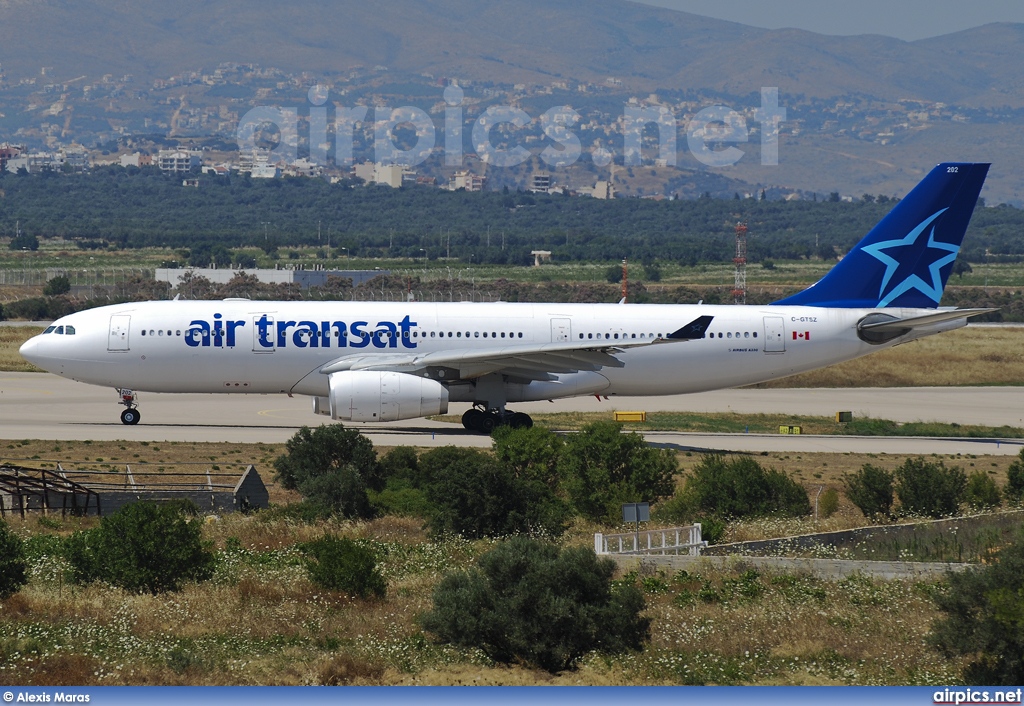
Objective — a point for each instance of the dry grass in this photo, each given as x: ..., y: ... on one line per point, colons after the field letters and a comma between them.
x: 260, y: 620
x: 11, y: 338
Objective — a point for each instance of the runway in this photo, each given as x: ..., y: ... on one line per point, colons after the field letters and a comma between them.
x: 43, y: 406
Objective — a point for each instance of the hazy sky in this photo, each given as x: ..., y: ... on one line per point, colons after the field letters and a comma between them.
x: 905, y: 19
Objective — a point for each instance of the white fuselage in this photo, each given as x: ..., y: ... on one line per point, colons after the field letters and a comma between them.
x: 241, y: 346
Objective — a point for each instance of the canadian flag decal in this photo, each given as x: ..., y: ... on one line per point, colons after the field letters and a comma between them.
x: 802, y: 335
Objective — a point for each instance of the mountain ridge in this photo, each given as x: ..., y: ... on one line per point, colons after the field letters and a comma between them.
x: 643, y: 46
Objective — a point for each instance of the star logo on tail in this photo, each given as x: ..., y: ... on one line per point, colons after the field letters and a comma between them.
x: 932, y: 289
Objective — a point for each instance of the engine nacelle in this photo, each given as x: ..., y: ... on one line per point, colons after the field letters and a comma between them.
x: 374, y: 396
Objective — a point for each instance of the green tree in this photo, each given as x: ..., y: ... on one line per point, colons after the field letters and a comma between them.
x: 741, y: 487
x: 982, y: 491
x: 871, y: 490
x: 531, y: 454
x: 13, y: 565
x: 473, y: 494
x: 603, y: 468
x: 141, y: 547
x: 57, y: 285
x: 24, y: 242
x: 332, y: 466
x: 929, y: 488
x: 339, y: 564
x: 530, y: 602
x: 1015, y: 479
x: 984, y: 619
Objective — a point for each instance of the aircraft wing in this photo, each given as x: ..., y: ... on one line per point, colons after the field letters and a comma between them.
x: 529, y: 362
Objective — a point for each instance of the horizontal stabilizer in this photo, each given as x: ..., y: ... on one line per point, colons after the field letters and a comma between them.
x: 878, y: 328
x: 693, y: 330
x: 926, y: 320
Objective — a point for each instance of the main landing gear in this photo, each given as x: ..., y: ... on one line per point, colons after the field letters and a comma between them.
x: 130, y: 415
x: 478, y: 420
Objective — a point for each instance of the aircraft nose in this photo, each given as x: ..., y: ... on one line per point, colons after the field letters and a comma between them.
x: 30, y: 351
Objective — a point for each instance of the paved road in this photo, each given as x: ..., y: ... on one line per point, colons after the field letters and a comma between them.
x: 41, y: 406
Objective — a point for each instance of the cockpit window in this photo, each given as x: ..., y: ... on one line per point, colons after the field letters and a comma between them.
x: 59, y: 331
x: 69, y: 330
x: 49, y: 329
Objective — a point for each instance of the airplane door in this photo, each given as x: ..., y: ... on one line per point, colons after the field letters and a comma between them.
x: 117, y: 340
x: 774, y: 335
x: 561, y: 330
x: 264, y: 334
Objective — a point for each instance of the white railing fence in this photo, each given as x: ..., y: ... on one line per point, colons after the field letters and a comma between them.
x: 674, y: 541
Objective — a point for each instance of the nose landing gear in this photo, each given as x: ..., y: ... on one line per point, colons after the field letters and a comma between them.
x: 129, y: 416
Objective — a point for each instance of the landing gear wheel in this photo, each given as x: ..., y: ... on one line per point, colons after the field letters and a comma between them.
x: 471, y: 419
x: 521, y: 421
x: 488, y: 422
x: 130, y: 417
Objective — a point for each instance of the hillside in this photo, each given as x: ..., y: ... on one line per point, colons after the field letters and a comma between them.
x: 521, y: 40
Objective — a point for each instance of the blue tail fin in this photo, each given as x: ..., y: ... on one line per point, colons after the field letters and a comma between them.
x: 906, y: 259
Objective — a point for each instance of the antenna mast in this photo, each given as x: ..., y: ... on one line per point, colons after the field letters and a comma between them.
x: 739, y: 289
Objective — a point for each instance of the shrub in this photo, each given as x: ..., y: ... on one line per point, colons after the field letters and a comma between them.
x: 982, y: 491
x: 828, y: 503
x: 530, y: 602
x: 929, y: 488
x: 13, y: 565
x: 57, y: 285
x: 471, y: 493
x: 871, y: 490
x: 741, y: 487
x: 1015, y: 479
x: 339, y: 564
x: 142, y: 547
x: 331, y: 466
x: 603, y: 468
x: 984, y: 619
x: 531, y: 454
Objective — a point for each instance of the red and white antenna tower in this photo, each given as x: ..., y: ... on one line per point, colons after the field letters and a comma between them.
x: 739, y: 290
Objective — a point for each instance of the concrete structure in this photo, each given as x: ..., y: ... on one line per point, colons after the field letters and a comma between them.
x: 136, y: 159
x: 467, y: 180
x: 304, y: 278
x: 540, y: 256
x: 393, y: 175
x: 178, y: 160
x: 541, y: 182
x: 826, y: 569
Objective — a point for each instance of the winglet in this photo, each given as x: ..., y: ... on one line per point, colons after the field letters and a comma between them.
x: 693, y: 330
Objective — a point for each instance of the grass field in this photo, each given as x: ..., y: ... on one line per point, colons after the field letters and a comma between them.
x: 260, y: 620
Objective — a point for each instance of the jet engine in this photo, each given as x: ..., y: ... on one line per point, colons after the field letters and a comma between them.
x: 375, y: 396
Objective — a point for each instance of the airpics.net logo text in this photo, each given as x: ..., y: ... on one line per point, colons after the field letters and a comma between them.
x: 710, y: 134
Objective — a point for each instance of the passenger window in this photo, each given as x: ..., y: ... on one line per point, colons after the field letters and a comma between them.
x: 729, y: 335
x: 503, y: 334
x: 634, y: 335
x: 459, y: 334
x: 493, y: 334
x: 475, y: 335
x: 590, y: 335
x: 643, y: 336
x: 755, y: 334
x: 143, y: 332
x: 616, y: 337
x: 520, y: 335
x: 746, y: 334
x: 581, y: 336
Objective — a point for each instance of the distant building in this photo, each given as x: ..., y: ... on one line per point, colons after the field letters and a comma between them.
x: 178, y: 160
x: 393, y: 175
x: 541, y: 183
x: 136, y: 159
x: 467, y: 180
x: 9, y: 152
